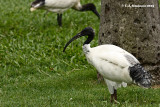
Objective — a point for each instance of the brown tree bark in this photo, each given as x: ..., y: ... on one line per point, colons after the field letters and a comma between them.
x: 135, y: 29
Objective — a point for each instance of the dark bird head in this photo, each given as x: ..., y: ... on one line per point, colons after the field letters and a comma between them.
x: 90, y: 7
x: 37, y: 4
x: 88, y: 31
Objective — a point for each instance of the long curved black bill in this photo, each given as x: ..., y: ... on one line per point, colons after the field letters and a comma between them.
x: 74, y: 38
x: 96, y: 13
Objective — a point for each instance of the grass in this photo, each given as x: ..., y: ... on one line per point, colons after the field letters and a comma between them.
x: 35, y: 72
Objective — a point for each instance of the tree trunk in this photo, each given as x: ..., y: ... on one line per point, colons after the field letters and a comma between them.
x: 135, y: 29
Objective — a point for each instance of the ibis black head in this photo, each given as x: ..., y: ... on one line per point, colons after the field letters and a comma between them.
x: 37, y: 4
x: 88, y: 31
x: 90, y: 7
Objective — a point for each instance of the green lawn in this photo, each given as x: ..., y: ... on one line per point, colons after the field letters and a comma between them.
x: 35, y: 72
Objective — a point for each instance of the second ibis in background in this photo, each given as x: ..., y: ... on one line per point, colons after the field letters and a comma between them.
x: 59, y: 6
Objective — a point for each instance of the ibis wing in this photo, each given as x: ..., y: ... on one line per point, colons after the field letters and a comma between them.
x: 121, y: 59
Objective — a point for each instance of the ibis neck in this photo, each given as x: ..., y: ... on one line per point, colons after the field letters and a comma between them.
x: 89, y: 39
x: 86, y: 45
x: 86, y: 48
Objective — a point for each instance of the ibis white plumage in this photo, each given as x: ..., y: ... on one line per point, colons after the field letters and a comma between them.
x: 117, y: 66
x: 59, y: 6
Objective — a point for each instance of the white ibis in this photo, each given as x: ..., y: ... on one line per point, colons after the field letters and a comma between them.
x: 117, y: 66
x: 59, y: 6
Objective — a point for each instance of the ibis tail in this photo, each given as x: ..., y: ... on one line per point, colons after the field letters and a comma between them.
x: 140, y: 76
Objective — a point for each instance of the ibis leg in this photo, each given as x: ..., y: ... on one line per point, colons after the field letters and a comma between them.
x: 59, y: 19
x: 114, y: 96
